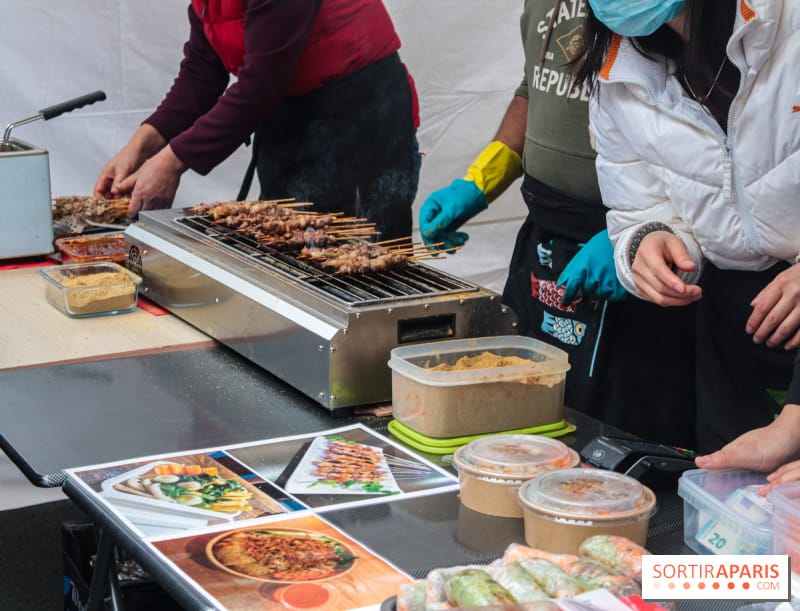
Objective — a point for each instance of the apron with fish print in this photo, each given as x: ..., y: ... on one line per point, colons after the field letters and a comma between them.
x: 532, y: 291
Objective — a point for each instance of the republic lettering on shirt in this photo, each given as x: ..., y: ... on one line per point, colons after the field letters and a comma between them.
x: 545, y: 79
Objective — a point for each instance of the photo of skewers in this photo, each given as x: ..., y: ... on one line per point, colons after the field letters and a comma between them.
x: 335, y: 465
x: 335, y: 243
x: 348, y: 466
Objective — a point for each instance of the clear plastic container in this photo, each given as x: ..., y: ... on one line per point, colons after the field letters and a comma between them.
x: 478, y: 394
x: 93, y: 248
x: 785, y: 501
x: 91, y: 289
x: 491, y: 469
x: 723, y: 513
x: 563, y: 508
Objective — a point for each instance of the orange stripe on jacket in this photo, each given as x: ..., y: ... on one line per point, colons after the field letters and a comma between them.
x: 613, y: 51
x: 746, y: 11
x: 795, y: 108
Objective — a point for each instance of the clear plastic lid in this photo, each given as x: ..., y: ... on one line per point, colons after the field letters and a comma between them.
x: 514, y: 456
x: 528, y: 358
x: 585, y: 492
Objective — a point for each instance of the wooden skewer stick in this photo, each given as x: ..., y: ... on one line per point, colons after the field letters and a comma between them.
x: 364, y: 230
x: 347, y: 219
x: 280, y: 200
x: 394, y: 240
x: 347, y: 227
x: 295, y: 205
x: 406, y: 249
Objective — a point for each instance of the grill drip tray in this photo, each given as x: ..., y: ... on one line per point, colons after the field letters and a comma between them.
x: 328, y: 335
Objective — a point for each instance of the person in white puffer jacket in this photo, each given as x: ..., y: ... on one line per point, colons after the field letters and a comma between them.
x: 695, y: 116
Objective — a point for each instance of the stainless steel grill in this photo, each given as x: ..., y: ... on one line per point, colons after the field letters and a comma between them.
x: 329, y: 335
x: 409, y: 282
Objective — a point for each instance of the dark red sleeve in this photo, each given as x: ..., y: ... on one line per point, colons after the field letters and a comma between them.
x: 201, y: 80
x: 203, y: 128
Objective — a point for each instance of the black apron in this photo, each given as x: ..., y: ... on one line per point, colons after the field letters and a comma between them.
x: 734, y: 375
x: 632, y: 362
x: 349, y: 147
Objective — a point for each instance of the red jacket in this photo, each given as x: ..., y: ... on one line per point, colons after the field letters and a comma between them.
x: 346, y: 35
x: 290, y: 49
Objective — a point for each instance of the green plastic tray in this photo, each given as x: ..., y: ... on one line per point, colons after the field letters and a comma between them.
x: 448, y: 445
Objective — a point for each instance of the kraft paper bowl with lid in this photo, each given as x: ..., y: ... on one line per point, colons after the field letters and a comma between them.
x: 563, y: 508
x: 491, y: 469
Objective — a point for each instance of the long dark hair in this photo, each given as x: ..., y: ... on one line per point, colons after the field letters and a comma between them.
x: 710, y: 25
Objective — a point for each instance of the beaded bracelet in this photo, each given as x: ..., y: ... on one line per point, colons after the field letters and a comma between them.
x: 640, y: 235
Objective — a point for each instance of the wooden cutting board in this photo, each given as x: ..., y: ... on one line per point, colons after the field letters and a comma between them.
x: 33, y: 332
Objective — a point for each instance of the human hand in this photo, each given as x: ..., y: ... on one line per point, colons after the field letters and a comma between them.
x: 790, y: 472
x: 154, y: 185
x: 120, y: 167
x: 445, y: 210
x: 652, y: 271
x: 146, y: 141
x: 763, y: 449
x: 592, y: 272
x: 776, y: 311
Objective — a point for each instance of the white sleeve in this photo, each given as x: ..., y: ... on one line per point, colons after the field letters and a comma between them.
x: 633, y: 189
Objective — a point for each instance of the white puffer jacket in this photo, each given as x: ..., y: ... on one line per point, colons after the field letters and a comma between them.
x: 733, y: 200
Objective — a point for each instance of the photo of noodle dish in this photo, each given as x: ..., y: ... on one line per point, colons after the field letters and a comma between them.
x: 191, y: 489
x: 280, y: 555
x: 335, y: 465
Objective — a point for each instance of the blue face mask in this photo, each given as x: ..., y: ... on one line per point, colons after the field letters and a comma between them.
x: 636, y: 17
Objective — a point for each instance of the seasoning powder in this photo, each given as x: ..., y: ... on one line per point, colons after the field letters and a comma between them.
x: 104, y: 292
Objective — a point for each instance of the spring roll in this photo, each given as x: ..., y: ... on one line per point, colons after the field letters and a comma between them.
x: 553, y: 580
x: 518, y: 581
x: 593, y: 575
x: 617, y: 553
x: 437, y: 579
x: 412, y: 596
x: 474, y: 588
x: 516, y: 552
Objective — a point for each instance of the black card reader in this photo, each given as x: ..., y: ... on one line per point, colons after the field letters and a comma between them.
x: 640, y: 459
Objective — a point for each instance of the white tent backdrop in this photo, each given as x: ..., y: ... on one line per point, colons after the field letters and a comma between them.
x: 465, y: 56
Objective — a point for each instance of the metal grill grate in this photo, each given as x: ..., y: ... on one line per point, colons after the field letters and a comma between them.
x: 410, y: 282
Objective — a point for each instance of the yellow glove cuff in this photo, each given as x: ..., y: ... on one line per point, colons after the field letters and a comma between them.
x: 495, y: 169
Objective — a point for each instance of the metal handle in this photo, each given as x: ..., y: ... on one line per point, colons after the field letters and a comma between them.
x: 10, y: 126
x: 58, y: 109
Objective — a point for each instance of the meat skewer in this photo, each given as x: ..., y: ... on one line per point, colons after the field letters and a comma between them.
x: 335, y: 243
x: 96, y: 209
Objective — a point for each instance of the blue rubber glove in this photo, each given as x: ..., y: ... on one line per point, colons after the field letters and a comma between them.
x: 445, y: 210
x: 592, y: 272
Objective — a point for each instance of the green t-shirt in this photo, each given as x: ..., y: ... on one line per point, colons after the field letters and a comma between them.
x: 557, y: 150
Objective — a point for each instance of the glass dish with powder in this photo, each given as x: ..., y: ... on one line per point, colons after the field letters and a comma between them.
x: 91, y: 289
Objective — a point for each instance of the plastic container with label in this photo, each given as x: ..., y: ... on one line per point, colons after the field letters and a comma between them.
x: 785, y: 501
x: 491, y: 469
x: 471, y: 398
x: 91, y: 289
x: 564, y: 508
x: 723, y: 512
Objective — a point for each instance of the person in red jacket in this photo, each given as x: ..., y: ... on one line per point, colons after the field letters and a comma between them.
x: 320, y: 87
